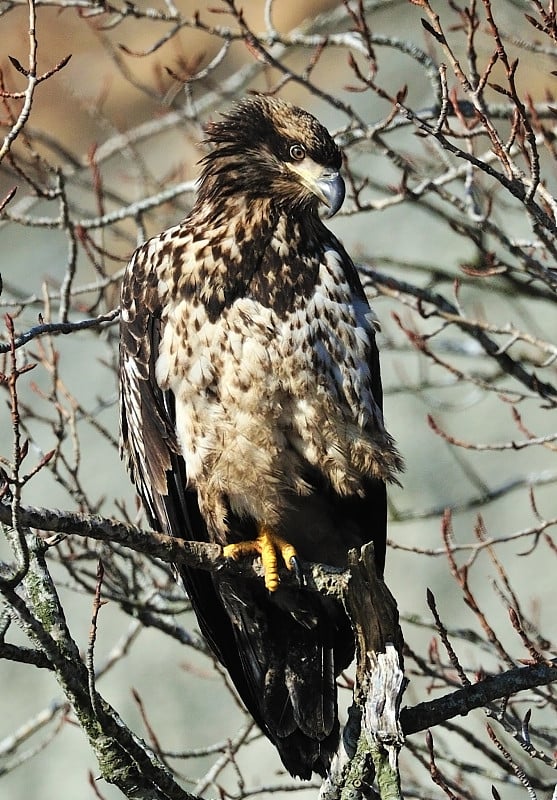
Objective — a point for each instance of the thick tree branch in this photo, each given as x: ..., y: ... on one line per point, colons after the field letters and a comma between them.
x: 319, y: 577
x: 123, y: 758
x: 459, y: 703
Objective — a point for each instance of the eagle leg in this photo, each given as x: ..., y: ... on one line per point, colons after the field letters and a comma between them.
x: 268, y: 545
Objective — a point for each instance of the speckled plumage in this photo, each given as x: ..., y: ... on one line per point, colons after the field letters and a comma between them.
x: 250, y: 395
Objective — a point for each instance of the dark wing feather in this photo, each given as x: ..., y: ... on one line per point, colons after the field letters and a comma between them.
x: 371, y: 509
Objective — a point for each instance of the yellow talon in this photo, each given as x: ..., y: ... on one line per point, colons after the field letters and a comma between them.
x: 268, y: 545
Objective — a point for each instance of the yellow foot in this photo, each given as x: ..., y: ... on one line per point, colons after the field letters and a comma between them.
x: 268, y: 545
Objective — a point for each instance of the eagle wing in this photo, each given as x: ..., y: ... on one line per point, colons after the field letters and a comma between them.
x: 151, y: 451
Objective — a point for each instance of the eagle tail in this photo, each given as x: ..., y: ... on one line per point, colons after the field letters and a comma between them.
x: 288, y: 676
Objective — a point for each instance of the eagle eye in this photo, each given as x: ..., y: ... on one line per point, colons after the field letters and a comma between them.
x: 297, y: 152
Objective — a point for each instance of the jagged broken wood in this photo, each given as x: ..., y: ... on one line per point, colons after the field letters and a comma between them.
x: 373, y: 736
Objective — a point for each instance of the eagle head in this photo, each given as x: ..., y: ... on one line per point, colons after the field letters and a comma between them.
x: 267, y: 148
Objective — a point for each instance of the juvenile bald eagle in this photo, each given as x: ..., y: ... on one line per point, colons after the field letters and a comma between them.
x: 251, y: 411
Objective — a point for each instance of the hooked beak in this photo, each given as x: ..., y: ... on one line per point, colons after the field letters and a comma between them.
x: 326, y: 184
x: 331, y: 191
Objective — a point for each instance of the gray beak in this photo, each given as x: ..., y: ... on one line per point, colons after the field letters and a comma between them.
x: 333, y: 190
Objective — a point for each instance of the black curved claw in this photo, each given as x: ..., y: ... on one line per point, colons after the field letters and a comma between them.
x: 298, y: 571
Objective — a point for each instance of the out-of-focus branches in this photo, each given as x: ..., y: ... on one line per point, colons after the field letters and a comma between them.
x: 449, y: 120
x: 55, y: 328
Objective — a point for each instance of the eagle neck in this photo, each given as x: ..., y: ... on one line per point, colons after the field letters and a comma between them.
x: 256, y: 248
